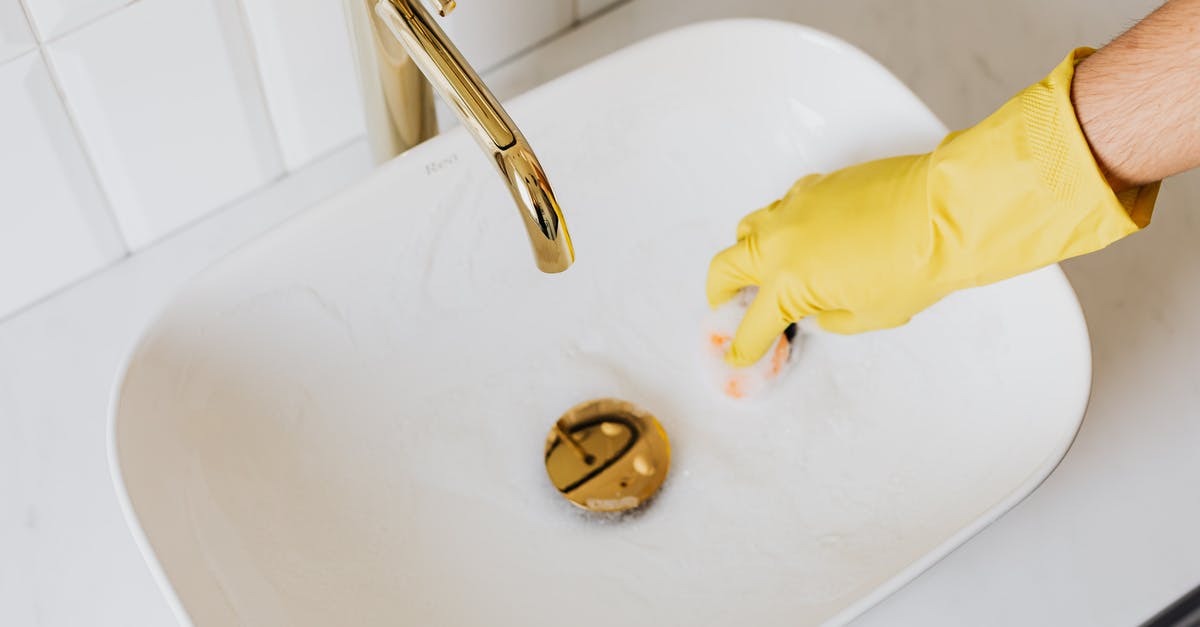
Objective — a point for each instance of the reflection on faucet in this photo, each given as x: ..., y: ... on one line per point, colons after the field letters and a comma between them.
x: 396, y: 42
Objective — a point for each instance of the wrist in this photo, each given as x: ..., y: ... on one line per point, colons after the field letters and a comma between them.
x: 1095, y: 110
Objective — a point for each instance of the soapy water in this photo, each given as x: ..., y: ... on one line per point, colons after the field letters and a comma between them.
x: 781, y: 506
x: 741, y: 384
x: 785, y: 498
x: 757, y: 379
x: 628, y: 516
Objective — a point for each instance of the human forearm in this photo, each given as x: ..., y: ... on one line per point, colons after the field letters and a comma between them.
x: 1137, y: 98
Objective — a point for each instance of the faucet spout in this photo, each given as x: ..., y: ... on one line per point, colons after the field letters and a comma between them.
x: 488, y: 123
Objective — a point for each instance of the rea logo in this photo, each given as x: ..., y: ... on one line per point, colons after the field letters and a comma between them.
x: 433, y: 167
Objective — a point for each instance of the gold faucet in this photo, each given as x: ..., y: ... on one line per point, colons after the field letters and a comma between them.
x: 401, y: 53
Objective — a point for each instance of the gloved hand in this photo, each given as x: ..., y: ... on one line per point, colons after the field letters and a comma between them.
x: 869, y: 246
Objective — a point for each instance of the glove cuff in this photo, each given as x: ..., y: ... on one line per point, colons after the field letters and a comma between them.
x: 1065, y: 159
x: 1023, y: 186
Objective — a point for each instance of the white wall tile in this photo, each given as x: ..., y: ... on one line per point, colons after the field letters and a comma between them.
x: 170, y: 110
x: 54, y: 227
x: 587, y: 8
x: 15, y: 36
x: 489, y: 31
x: 304, y: 56
x: 55, y: 17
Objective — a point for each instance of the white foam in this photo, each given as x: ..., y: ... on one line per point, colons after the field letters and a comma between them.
x: 717, y: 333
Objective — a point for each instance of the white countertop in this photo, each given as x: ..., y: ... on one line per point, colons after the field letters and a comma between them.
x: 1108, y: 540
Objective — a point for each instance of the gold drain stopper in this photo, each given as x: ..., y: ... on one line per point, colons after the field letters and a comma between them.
x: 607, y: 455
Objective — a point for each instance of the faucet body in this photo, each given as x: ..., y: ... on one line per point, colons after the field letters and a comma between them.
x: 403, y: 55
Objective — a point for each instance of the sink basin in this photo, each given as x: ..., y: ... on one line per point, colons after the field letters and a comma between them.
x: 342, y: 424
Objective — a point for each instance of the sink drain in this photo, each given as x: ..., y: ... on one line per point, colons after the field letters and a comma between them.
x: 607, y: 455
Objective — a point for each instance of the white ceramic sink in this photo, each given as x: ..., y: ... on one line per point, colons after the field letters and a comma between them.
x: 342, y: 424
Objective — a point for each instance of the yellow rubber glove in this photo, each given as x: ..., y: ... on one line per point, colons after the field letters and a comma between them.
x: 869, y: 246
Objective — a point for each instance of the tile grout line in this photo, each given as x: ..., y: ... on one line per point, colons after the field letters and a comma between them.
x: 32, y: 31
x: 285, y: 173
x: 266, y: 185
x: 211, y: 214
x: 562, y: 32
x: 608, y: 9
x: 527, y: 49
x: 33, y: 27
x: 110, y: 210
x: 260, y: 83
x: 86, y: 23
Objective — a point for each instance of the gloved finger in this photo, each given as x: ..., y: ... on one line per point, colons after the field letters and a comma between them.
x: 749, y: 224
x: 847, y: 322
x: 762, y: 325
x: 730, y: 271
x: 803, y: 184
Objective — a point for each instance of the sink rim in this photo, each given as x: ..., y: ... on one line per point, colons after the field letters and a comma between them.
x: 901, y: 578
